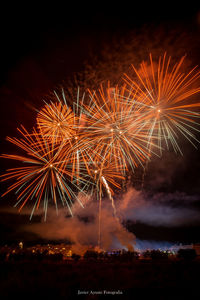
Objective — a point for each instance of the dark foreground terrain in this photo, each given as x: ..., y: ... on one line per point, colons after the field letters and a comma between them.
x: 90, y: 279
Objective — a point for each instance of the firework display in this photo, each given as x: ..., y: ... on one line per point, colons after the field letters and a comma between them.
x: 92, y: 146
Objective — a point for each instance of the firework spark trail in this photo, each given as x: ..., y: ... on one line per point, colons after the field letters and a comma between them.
x: 100, y: 206
x: 99, y: 221
x: 109, y: 194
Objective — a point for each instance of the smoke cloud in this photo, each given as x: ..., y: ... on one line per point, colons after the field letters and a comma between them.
x: 160, y: 209
x: 82, y: 229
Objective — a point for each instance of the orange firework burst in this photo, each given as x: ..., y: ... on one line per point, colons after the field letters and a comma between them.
x: 166, y: 93
x: 115, y: 128
x: 43, y: 178
x: 56, y: 120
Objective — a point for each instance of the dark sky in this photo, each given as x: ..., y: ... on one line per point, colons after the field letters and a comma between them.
x: 41, y: 46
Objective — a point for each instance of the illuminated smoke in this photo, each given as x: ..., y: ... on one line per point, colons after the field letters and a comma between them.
x: 160, y: 209
x: 82, y: 229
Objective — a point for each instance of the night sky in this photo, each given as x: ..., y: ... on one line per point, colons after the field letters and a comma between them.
x: 43, y: 46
